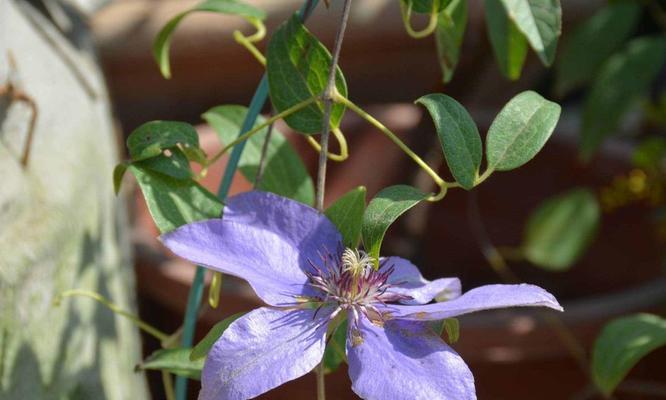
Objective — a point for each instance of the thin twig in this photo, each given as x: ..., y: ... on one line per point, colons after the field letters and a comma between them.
x: 327, y: 99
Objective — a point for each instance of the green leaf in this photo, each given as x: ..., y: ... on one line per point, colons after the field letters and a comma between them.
x: 284, y: 172
x: 175, y: 202
x: 347, y: 215
x: 176, y: 361
x: 451, y: 24
x: 297, y: 66
x: 560, y: 230
x: 335, y: 352
x: 604, y: 32
x: 541, y: 23
x: 383, y: 210
x: 509, y: 44
x: 173, y: 162
x: 152, y: 138
x: 458, y: 135
x: 622, y: 343
x: 622, y: 80
x: 450, y: 325
x: 425, y: 6
x: 118, y: 173
x: 520, y: 130
x: 200, y: 351
x: 650, y: 153
x: 230, y: 7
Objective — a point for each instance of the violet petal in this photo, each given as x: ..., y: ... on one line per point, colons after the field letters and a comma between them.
x: 406, y: 360
x: 262, y: 350
x: 482, y: 298
x: 407, y: 280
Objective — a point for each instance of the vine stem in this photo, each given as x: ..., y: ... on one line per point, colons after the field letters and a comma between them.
x: 327, y: 99
x: 151, y: 330
x: 443, y: 185
x: 406, y: 12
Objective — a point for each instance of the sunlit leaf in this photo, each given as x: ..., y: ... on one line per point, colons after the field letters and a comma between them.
x: 347, y: 215
x: 297, y: 68
x: 621, y: 345
x: 561, y: 229
x: 520, y: 130
x: 284, y: 171
x: 176, y: 361
x: 383, y: 210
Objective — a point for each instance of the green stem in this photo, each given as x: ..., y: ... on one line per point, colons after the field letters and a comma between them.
x: 248, y: 41
x: 441, y: 183
x: 406, y: 11
x: 168, y: 386
x: 265, y: 124
x: 214, y: 289
x: 151, y: 330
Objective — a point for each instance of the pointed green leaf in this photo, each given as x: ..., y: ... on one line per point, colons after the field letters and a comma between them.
x: 152, y: 138
x: 284, y: 172
x: 175, y: 202
x: 560, y: 230
x: 230, y: 7
x: 458, y: 135
x: 450, y: 325
x: 604, y: 32
x: 622, y: 80
x: 176, y: 361
x: 297, y: 67
x: 118, y: 173
x: 449, y: 34
x: 173, y: 162
x: 541, y: 23
x: 509, y: 44
x: 622, y: 344
x: 335, y: 353
x: 520, y: 130
x: 200, y: 351
x: 383, y: 210
x: 347, y: 215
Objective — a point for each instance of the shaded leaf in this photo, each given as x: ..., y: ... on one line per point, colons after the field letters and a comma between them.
x: 560, y: 230
x: 152, y: 138
x: 450, y: 325
x: 347, y: 215
x: 458, y: 136
x: 230, y: 7
x: 200, y: 351
x: 650, y: 153
x: 520, y: 130
x: 540, y: 21
x: 451, y: 24
x: 509, y: 44
x: 175, y: 202
x: 335, y: 353
x: 284, y: 172
x: 173, y: 162
x: 383, y: 210
x: 425, y: 6
x: 622, y: 80
x: 621, y: 345
x: 176, y: 361
x: 604, y: 32
x: 297, y: 67
x: 118, y: 173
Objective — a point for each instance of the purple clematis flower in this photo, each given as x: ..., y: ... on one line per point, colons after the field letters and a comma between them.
x: 291, y: 255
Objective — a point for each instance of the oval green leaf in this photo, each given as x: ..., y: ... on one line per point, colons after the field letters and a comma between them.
x: 152, y: 138
x: 541, y: 23
x: 176, y: 361
x: 560, y: 230
x: 520, y: 130
x: 620, y: 83
x: 383, y: 210
x: 509, y: 44
x: 604, y: 32
x: 347, y: 215
x: 451, y: 24
x: 230, y: 7
x: 175, y: 202
x: 458, y: 136
x: 200, y: 351
x: 284, y: 171
x: 620, y: 346
x: 172, y: 162
x: 297, y: 67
